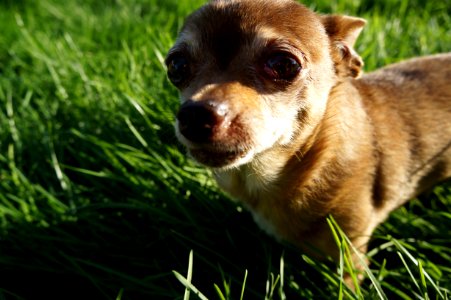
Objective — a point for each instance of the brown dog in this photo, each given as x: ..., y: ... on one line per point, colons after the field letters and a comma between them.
x: 271, y: 102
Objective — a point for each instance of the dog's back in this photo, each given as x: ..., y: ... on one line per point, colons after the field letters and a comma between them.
x: 410, y: 109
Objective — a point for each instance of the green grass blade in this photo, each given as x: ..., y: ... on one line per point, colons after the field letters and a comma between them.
x: 187, y: 281
x: 243, y: 287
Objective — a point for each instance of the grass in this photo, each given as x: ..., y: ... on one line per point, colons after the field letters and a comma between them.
x: 98, y: 200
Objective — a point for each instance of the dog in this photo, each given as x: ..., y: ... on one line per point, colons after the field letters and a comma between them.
x: 273, y: 100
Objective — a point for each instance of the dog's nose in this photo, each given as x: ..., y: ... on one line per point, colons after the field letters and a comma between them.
x: 200, y: 121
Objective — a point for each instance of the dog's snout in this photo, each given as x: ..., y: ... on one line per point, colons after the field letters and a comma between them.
x: 200, y: 121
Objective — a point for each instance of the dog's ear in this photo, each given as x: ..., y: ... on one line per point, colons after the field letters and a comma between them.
x: 343, y: 31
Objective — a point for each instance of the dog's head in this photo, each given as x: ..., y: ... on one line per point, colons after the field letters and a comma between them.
x: 255, y: 74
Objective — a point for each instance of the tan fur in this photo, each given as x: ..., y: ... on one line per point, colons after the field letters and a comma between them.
x: 327, y: 143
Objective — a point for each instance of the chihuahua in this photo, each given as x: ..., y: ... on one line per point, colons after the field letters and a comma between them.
x: 273, y: 102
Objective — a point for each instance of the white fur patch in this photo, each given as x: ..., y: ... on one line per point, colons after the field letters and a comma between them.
x: 264, y: 224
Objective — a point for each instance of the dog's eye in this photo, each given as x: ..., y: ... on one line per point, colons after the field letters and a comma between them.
x: 281, y: 66
x: 178, y: 69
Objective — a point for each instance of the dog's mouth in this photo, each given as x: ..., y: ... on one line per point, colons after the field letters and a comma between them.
x: 218, y: 157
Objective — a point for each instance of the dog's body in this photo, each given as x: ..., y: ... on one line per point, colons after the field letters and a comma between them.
x: 384, y: 139
x: 271, y: 101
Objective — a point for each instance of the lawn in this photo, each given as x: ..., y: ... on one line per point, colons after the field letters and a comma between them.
x: 98, y: 201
